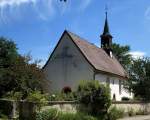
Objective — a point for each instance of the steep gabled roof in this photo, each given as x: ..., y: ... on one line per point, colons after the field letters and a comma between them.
x: 96, y: 56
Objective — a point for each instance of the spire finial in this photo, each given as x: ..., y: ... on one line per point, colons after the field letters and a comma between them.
x: 106, y: 10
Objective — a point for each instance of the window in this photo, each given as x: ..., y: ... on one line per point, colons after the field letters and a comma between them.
x: 108, y: 81
x: 120, y: 87
x: 113, y: 81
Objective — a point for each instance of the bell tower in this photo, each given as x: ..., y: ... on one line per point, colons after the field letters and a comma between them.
x: 106, y: 38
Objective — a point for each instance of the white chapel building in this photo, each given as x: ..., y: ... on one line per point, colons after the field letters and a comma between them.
x: 74, y: 59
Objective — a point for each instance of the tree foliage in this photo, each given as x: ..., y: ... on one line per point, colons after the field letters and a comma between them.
x: 8, y: 52
x: 27, y: 76
x: 125, y: 59
x: 140, y: 78
x: 17, y: 73
x: 122, y: 54
x: 138, y: 70
x: 8, y: 55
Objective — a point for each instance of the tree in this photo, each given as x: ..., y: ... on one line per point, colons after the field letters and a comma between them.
x: 17, y: 73
x: 140, y: 78
x: 95, y: 97
x: 122, y: 54
x: 8, y: 55
x: 8, y: 52
x: 27, y: 76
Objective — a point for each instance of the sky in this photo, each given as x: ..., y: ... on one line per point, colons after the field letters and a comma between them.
x: 36, y: 25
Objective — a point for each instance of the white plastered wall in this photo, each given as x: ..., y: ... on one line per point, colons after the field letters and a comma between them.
x: 114, y: 86
x: 64, y: 71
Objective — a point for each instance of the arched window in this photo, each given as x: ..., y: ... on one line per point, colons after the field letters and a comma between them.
x: 120, y: 87
x: 114, y: 97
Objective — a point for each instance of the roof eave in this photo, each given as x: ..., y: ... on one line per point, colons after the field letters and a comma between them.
x: 112, y: 74
x: 54, y: 49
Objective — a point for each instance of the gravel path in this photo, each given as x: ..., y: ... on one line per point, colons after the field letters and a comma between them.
x: 144, y: 117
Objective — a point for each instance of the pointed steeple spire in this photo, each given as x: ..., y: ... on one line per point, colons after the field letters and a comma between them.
x: 106, y: 27
x: 106, y: 38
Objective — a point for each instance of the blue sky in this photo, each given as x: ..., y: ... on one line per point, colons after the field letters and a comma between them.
x: 36, y: 25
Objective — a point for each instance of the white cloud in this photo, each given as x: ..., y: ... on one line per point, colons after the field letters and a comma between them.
x: 84, y: 4
x: 4, y: 3
x: 137, y: 54
x: 11, y: 10
x: 45, y: 9
x: 147, y: 13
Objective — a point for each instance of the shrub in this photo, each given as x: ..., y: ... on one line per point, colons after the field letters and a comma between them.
x: 13, y: 95
x: 55, y: 97
x: 137, y: 98
x: 38, y: 98
x: 95, y: 97
x: 68, y: 96
x: 53, y: 114
x: 82, y: 116
x: 115, y: 113
x: 66, y: 116
x: 88, y: 117
x: 6, y: 107
x: 3, y: 116
x: 125, y: 99
x: 62, y: 97
x: 140, y: 112
x: 50, y: 114
x: 75, y: 116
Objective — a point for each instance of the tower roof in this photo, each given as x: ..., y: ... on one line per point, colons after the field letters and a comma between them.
x: 106, y: 27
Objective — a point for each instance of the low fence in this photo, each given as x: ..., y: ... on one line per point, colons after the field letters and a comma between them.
x: 65, y: 106
x: 27, y: 110
x: 135, y: 106
x: 71, y: 106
